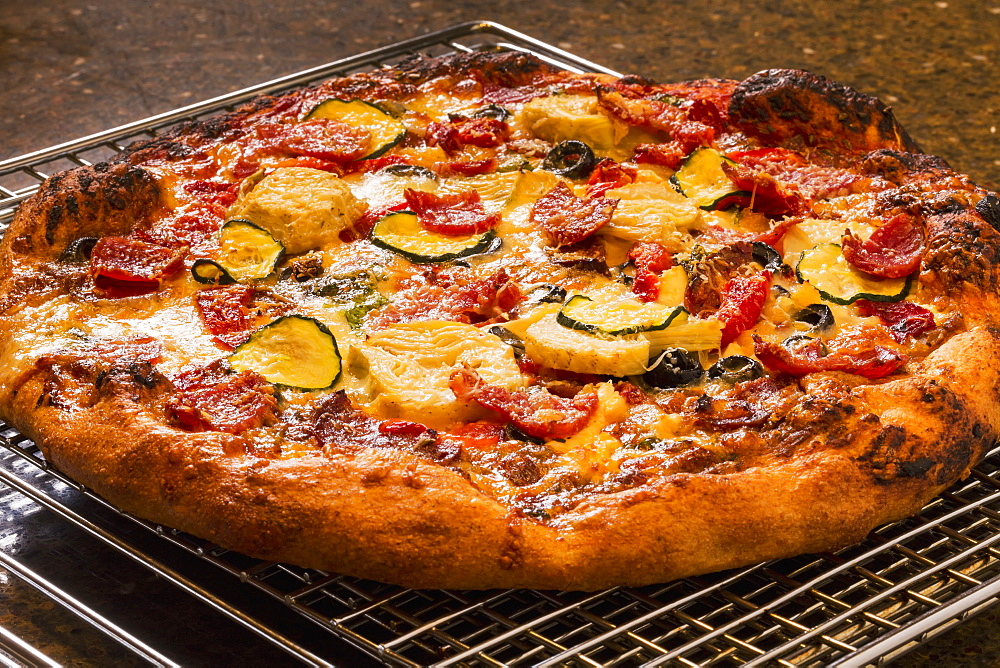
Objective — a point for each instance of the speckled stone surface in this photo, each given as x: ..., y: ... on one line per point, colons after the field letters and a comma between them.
x: 70, y: 68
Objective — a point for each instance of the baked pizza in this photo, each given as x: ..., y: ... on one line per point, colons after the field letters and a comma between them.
x: 477, y: 322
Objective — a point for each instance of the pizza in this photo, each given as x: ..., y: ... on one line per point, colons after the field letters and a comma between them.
x: 475, y: 322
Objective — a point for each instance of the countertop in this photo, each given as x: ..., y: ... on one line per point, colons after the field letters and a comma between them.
x: 69, y: 69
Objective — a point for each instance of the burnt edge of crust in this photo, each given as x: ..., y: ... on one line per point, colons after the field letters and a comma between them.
x: 792, y: 107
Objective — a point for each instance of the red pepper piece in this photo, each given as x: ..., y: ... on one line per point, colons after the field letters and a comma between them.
x: 743, y: 298
x: 650, y: 259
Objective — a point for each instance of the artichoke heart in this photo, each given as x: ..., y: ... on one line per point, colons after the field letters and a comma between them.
x: 302, y: 208
x: 554, y: 345
x: 651, y: 212
x: 558, y: 118
x: 409, y: 368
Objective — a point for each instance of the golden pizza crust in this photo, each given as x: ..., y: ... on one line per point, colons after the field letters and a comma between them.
x: 884, y: 449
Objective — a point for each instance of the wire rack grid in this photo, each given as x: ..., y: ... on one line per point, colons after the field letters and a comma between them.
x: 869, y: 603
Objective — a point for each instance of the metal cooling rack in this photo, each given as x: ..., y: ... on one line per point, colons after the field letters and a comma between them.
x: 907, y: 582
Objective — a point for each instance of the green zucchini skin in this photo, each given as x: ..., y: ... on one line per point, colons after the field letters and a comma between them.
x: 241, y: 359
x: 210, y: 272
x: 701, y: 179
x: 380, y: 236
x: 567, y: 319
x: 385, y: 130
x: 823, y: 264
x: 271, y: 249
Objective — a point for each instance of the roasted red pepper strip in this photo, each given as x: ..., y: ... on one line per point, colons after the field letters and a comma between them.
x: 893, y: 250
x: 568, y: 219
x: 743, y: 298
x: 128, y: 266
x: 904, y: 319
x: 650, y: 259
x: 211, y: 399
x: 539, y: 413
x: 875, y: 362
x: 226, y: 313
x: 458, y: 214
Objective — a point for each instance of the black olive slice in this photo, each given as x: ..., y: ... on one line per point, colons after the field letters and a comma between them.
x: 412, y: 171
x: 736, y: 369
x: 492, y: 111
x: 78, y: 251
x: 819, y: 317
x: 674, y: 367
x: 624, y: 273
x: 766, y: 256
x: 510, y: 338
x: 570, y: 158
x: 796, y: 340
x: 547, y: 293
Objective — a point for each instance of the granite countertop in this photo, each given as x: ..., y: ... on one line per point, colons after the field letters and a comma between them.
x: 70, y: 68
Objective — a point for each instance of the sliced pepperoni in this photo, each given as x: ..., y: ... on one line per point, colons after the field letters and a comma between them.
x: 457, y: 133
x: 211, y: 398
x: 893, y: 250
x: 875, y: 362
x: 743, y: 298
x: 362, y: 227
x: 326, y: 139
x: 608, y: 175
x: 457, y: 214
x: 568, y: 219
x: 192, y: 227
x: 126, y: 266
x: 795, y: 174
x: 904, y: 319
x: 225, y: 311
x: 537, y: 413
x: 650, y: 260
x: 767, y: 195
x: 213, y: 192
x: 340, y: 426
x: 465, y: 167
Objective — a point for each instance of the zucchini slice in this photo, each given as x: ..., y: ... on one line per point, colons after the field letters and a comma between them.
x: 701, y: 179
x: 210, y: 272
x: 385, y: 130
x: 627, y: 316
x: 293, y: 350
x: 247, y: 252
x: 402, y: 233
x: 826, y: 269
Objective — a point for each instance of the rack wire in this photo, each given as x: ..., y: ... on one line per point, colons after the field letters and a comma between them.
x: 907, y: 582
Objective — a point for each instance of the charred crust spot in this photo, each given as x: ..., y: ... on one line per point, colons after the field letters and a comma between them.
x: 896, y: 166
x: 957, y: 252
x: 915, y: 468
x: 506, y: 69
x: 795, y: 106
x: 989, y: 208
x: 636, y: 80
x: 52, y: 219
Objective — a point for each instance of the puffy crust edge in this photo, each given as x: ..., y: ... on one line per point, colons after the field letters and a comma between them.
x: 394, y: 517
